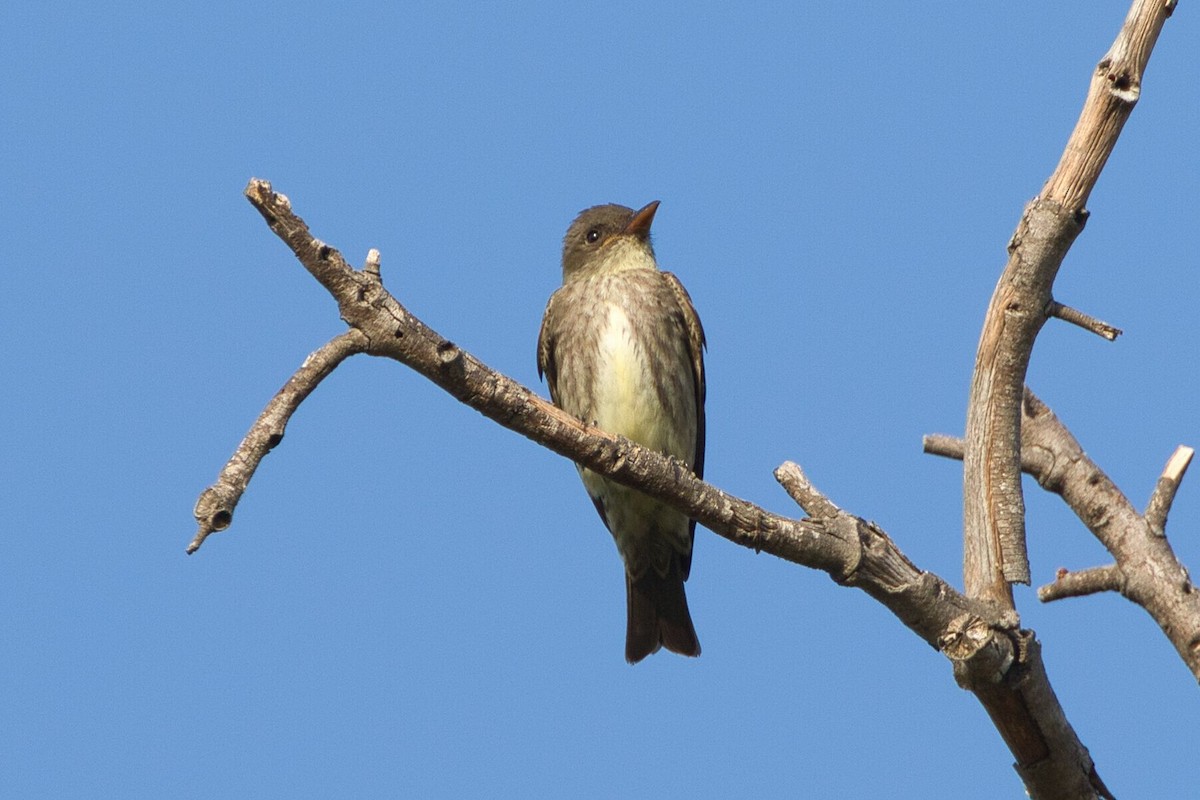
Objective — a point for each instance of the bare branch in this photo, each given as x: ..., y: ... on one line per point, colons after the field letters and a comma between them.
x: 390, y: 330
x: 1085, y: 321
x: 1153, y: 576
x: 1115, y: 89
x: 1150, y: 573
x: 992, y: 657
x: 939, y: 444
x: 993, y: 507
x: 1087, y: 581
x: 799, y: 488
x: 979, y: 631
x: 214, y: 508
x: 1164, y: 491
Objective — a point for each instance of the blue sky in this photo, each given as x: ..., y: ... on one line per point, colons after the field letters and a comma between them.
x: 415, y: 602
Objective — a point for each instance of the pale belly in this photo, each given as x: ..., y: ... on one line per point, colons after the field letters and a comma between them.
x: 627, y: 401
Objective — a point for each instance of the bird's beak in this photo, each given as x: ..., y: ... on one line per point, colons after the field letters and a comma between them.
x: 639, y: 226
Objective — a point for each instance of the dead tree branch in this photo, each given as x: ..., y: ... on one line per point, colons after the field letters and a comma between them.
x: 1085, y: 321
x: 978, y: 631
x: 1146, y: 569
x: 1077, y: 584
x: 993, y: 507
x: 991, y: 656
x: 214, y: 508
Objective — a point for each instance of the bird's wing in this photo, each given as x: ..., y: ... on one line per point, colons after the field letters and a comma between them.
x: 548, y: 369
x: 545, y: 352
x: 696, y: 344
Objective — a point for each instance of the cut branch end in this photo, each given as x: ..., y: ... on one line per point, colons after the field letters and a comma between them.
x: 1085, y: 321
x: 800, y: 488
x: 1077, y: 584
x: 1163, y: 496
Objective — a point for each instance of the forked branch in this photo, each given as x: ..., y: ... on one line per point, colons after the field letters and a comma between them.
x: 991, y: 656
x: 1147, y: 570
x: 994, y: 553
x: 979, y: 631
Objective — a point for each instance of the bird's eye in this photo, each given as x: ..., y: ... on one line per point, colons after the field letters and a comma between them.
x: 593, y: 236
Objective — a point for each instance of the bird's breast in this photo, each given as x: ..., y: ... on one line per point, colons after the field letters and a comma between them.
x: 627, y: 399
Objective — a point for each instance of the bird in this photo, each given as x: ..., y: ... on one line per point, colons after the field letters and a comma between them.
x: 622, y: 348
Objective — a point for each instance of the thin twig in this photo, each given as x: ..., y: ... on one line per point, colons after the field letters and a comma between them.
x: 1164, y: 491
x: 953, y: 447
x: 1085, y: 321
x: 1086, y: 581
x: 214, y: 509
x: 793, y: 480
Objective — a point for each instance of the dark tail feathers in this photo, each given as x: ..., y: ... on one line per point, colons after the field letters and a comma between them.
x: 658, y: 615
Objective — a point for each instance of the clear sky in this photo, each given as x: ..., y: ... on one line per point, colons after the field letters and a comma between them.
x: 415, y: 602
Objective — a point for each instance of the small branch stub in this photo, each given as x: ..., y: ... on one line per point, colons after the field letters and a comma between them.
x: 1077, y: 584
x: 1164, y: 491
x: 371, y: 267
x: 1088, y: 323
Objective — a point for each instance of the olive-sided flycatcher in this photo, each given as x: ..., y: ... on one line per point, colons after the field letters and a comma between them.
x: 622, y: 349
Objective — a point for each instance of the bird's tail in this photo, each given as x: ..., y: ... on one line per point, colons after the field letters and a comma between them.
x: 658, y: 614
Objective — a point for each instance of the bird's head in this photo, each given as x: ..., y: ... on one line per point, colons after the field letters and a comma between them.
x: 608, y: 238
